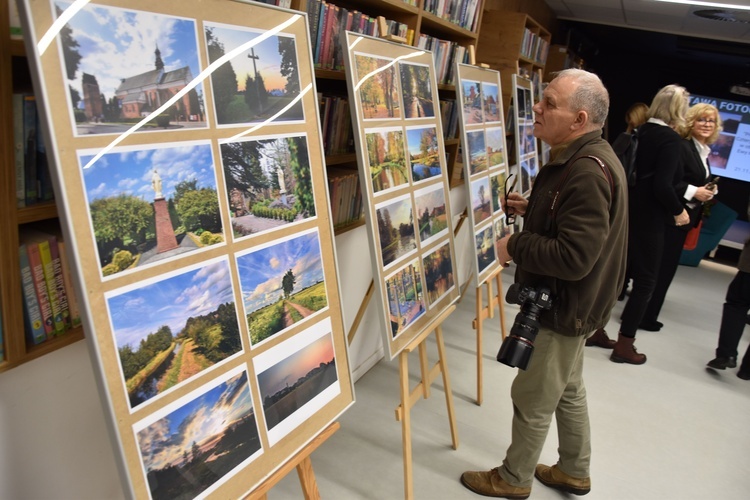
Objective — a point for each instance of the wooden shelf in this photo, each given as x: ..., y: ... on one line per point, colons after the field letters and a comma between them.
x: 354, y: 225
x: 37, y: 212
x: 37, y: 351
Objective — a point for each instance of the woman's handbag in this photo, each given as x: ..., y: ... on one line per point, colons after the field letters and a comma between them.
x: 691, y: 241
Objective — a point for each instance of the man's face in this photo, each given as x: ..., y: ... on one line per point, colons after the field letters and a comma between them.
x: 553, y: 120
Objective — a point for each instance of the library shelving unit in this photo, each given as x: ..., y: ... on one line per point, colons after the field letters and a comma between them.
x: 512, y: 43
x: 561, y: 57
x: 14, y: 77
x: 420, y: 21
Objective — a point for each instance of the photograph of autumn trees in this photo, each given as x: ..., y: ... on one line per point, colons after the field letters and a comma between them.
x: 424, y: 153
x: 501, y: 230
x: 378, y: 87
x: 259, y: 82
x: 281, y: 284
x: 269, y: 183
x: 490, y: 97
x: 438, y: 272
x: 188, y: 450
x: 386, y: 158
x: 288, y: 385
x: 497, y: 188
x: 495, y: 152
x: 122, y: 65
x: 417, y: 91
x: 396, y: 229
x: 481, y: 206
x: 169, y: 330
x: 405, y: 297
x: 124, y: 203
x: 485, y: 247
x: 477, y: 151
x: 432, y: 218
x: 471, y: 96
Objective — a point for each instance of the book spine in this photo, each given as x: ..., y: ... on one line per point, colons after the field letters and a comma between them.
x: 321, y: 29
x: 59, y: 282
x: 32, y: 313
x: 75, y: 311
x: 18, y: 149
x: 42, y: 168
x: 49, y: 280
x: 29, y: 138
x: 40, y: 287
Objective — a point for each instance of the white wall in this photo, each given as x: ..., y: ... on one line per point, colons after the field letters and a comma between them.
x: 54, y: 442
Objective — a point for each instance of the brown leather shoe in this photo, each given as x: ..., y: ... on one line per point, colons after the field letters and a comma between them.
x: 557, y: 479
x: 491, y: 484
x: 625, y: 352
x: 600, y: 339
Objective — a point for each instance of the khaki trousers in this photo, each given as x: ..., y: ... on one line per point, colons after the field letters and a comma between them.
x: 551, y: 384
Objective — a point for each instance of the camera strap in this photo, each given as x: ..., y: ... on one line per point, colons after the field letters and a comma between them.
x: 553, y: 205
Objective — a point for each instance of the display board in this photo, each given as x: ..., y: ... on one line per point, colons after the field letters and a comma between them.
x: 186, y: 153
x: 527, y: 158
x: 402, y: 168
x: 485, y: 159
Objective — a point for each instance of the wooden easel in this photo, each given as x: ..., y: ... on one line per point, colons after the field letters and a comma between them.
x: 300, y: 461
x: 410, y: 397
x: 483, y: 312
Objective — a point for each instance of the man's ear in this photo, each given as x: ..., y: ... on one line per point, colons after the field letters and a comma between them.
x: 581, y: 120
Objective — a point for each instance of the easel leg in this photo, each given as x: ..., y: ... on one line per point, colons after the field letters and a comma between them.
x: 307, y: 479
x: 500, y: 304
x: 447, y: 386
x: 425, y: 369
x: 403, y: 361
x: 478, y: 323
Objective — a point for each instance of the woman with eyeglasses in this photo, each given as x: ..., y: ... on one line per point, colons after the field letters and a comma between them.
x: 703, y: 125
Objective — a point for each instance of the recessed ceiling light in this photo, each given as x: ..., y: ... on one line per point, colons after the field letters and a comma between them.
x: 708, y: 4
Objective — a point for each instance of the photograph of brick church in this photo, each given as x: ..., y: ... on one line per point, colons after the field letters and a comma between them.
x: 125, y: 65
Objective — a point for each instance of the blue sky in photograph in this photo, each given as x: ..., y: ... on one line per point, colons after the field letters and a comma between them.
x: 268, y: 62
x: 163, y: 442
x: 261, y: 271
x: 414, y: 139
x: 116, y: 43
x: 129, y: 172
x: 137, y: 313
x: 290, y: 369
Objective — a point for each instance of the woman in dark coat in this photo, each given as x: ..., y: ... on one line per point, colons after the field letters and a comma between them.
x: 702, y: 130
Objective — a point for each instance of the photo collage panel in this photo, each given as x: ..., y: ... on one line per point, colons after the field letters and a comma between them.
x: 402, y: 152
x: 485, y: 162
x: 527, y: 155
x: 220, y: 329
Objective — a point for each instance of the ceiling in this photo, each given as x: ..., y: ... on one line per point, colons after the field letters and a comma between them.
x: 731, y: 25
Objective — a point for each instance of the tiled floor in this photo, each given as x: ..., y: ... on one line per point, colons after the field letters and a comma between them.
x: 669, y: 429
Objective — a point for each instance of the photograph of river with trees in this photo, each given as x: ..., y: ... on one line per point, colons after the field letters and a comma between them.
x: 170, y: 329
x: 386, y: 158
x: 269, y: 183
x: 282, y: 283
x: 192, y: 447
x: 121, y: 193
x: 424, y: 152
x: 417, y: 90
x: 396, y: 233
x: 259, y: 82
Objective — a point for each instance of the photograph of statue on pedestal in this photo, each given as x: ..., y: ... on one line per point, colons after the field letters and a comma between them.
x: 204, y: 253
x: 527, y: 157
x: 114, y: 85
x: 485, y: 161
x: 151, y: 203
x: 402, y: 167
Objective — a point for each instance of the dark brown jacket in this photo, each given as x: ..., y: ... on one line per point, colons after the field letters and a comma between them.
x: 580, y: 253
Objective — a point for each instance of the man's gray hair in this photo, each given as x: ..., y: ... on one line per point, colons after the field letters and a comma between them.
x: 590, y: 95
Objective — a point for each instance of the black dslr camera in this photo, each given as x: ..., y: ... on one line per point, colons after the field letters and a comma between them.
x: 517, y: 347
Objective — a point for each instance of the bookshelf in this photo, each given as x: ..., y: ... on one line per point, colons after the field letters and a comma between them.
x: 512, y: 43
x: 561, y: 57
x: 17, y: 349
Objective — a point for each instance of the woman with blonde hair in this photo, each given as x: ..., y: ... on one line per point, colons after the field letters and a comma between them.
x: 653, y: 203
x: 635, y: 116
x: 703, y: 125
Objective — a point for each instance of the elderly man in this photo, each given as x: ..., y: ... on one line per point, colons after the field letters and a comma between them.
x: 573, y: 243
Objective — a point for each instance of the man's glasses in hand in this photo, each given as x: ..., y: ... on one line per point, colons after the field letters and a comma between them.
x: 510, y: 216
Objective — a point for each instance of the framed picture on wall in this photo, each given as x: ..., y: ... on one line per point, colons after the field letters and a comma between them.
x: 485, y: 162
x: 401, y: 153
x: 185, y: 149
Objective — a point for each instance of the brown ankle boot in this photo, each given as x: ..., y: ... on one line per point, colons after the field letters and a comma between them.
x: 625, y: 352
x: 600, y: 339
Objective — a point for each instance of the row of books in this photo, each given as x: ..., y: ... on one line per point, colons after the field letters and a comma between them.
x: 445, y: 54
x: 50, y: 306
x: 328, y: 21
x: 534, y: 47
x: 279, y: 3
x: 449, y: 117
x: 33, y: 180
x: 336, y: 125
x: 464, y: 13
x: 346, y: 196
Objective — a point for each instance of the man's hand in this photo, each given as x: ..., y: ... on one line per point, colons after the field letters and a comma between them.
x: 682, y: 219
x: 516, y: 203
